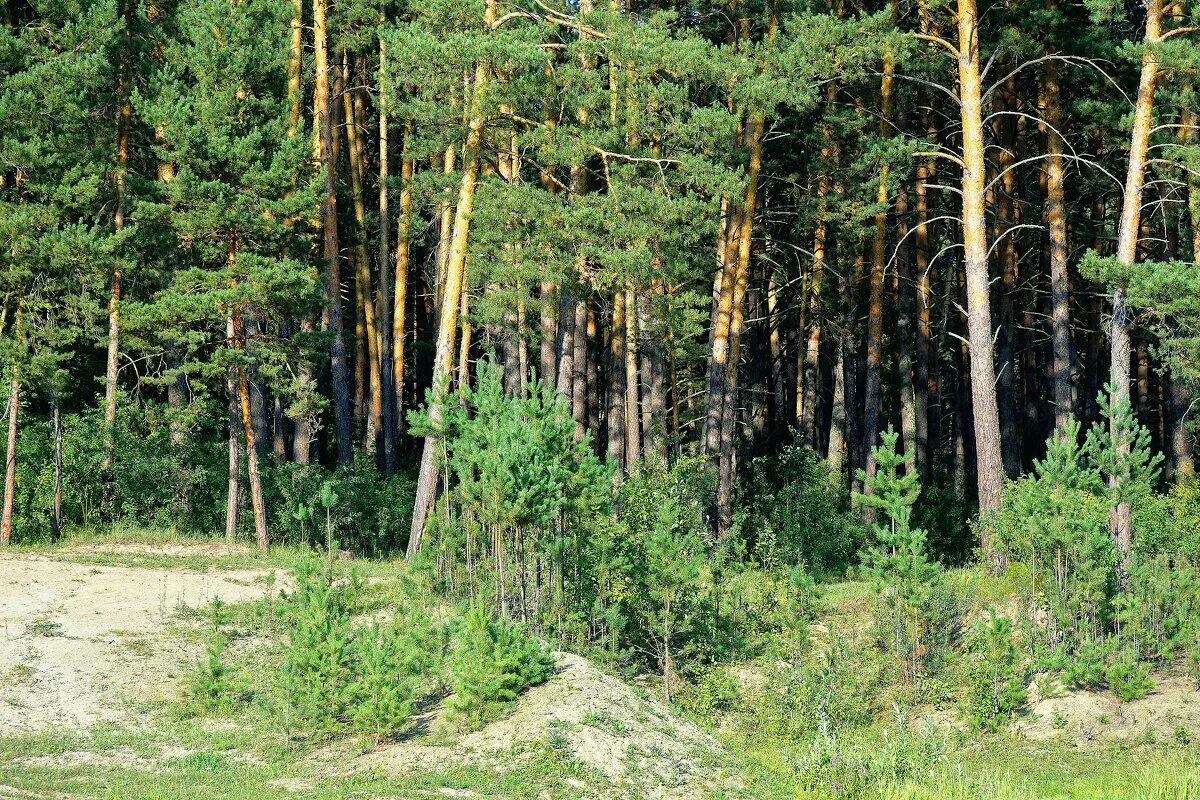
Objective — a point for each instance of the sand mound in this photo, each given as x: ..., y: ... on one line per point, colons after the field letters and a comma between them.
x: 1170, y: 712
x: 80, y: 644
x: 634, y: 743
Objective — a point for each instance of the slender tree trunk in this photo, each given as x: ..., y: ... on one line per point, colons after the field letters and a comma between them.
x: 633, y: 435
x: 989, y: 464
x: 616, y: 381
x: 1005, y: 129
x: 56, y: 519
x: 1181, y: 441
x: 873, y: 396
x: 387, y: 352
x: 257, y: 501
x: 332, y: 317
x: 232, y: 493
x: 403, y: 254
x: 124, y: 124
x: 10, y: 460
x: 807, y: 413
x: 1056, y: 226
x: 1120, y: 523
x: 455, y: 269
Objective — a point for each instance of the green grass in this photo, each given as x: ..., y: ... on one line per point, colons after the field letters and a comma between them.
x: 188, y: 759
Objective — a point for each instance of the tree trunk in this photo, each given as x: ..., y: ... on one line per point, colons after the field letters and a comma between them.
x: 387, y: 365
x: 448, y: 321
x: 989, y: 465
x: 332, y: 316
x: 615, y: 421
x: 1056, y: 226
x: 873, y: 395
x: 633, y: 434
x: 56, y: 519
x: 1120, y: 523
x: 257, y: 502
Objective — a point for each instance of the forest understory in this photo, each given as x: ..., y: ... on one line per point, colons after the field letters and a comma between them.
x: 100, y: 701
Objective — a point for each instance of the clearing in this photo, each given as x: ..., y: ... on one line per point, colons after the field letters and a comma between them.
x: 85, y: 643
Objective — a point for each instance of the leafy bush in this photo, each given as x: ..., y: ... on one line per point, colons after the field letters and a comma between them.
x: 320, y: 650
x: 1169, y: 524
x: 792, y: 510
x: 492, y: 661
x: 388, y: 667
x: 209, y: 685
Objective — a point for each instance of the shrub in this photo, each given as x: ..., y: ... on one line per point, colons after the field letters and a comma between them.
x: 492, y: 661
x: 1128, y: 678
x: 995, y: 682
x: 792, y: 510
x: 919, y: 618
x: 317, y: 669
x: 388, y: 666
x: 209, y: 686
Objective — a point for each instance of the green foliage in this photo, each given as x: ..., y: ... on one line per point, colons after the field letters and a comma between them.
x: 919, y: 617
x: 1128, y: 678
x: 388, y: 667
x: 209, y: 685
x: 793, y: 510
x: 665, y: 565
x: 995, y: 688
x: 492, y: 660
x: 320, y: 649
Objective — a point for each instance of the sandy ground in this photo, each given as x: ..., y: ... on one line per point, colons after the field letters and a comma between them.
x: 634, y: 741
x: 1169, y: 712
x: 81, y: 644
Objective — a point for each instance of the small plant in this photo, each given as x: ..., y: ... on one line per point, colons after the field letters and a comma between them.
x: 45, y: 628
x: 317, y: 667
x: 209, y: 688
x: 493, y: 661
x: 996, y: 685
x: 1182, y: 736
x: 1129, y: 679
x: 388, y: 666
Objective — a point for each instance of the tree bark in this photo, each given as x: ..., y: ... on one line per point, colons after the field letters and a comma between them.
x: 448, y: 320
x: 10, y: 460
x: 1120, y: 522
x: 1056, y: 226
x: 989, y: 465
x: 332, y: 316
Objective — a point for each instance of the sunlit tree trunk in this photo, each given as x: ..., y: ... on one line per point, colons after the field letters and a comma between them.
x: 332, y: 316
x: 1120, y: 521
x: 989, y: 465
x: 124, y: 125
x: 453, y: 291
x: 10, y: 459
x: 1056, y: 226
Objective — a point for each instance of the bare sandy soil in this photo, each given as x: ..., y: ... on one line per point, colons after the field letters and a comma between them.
x: 81, y: 644
x: 1170, y: 711
x: 637, y: 744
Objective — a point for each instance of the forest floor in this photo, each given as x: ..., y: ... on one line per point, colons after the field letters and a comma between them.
x: 98, y: 641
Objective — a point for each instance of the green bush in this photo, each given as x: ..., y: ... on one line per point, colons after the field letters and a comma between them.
x: 995, y: 682
x: 1128, y: 678
x: 919, y: 616
x: 492, y: 661
x: 318, y: 666
x: 1169, y: 524
x: 387, y: 669
x: 209, y: 685
x: 793, y: 510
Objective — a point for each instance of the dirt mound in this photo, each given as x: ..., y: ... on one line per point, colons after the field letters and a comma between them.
x: 633, y: 743
x: 1170, y: 712
x: 80, y: 644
